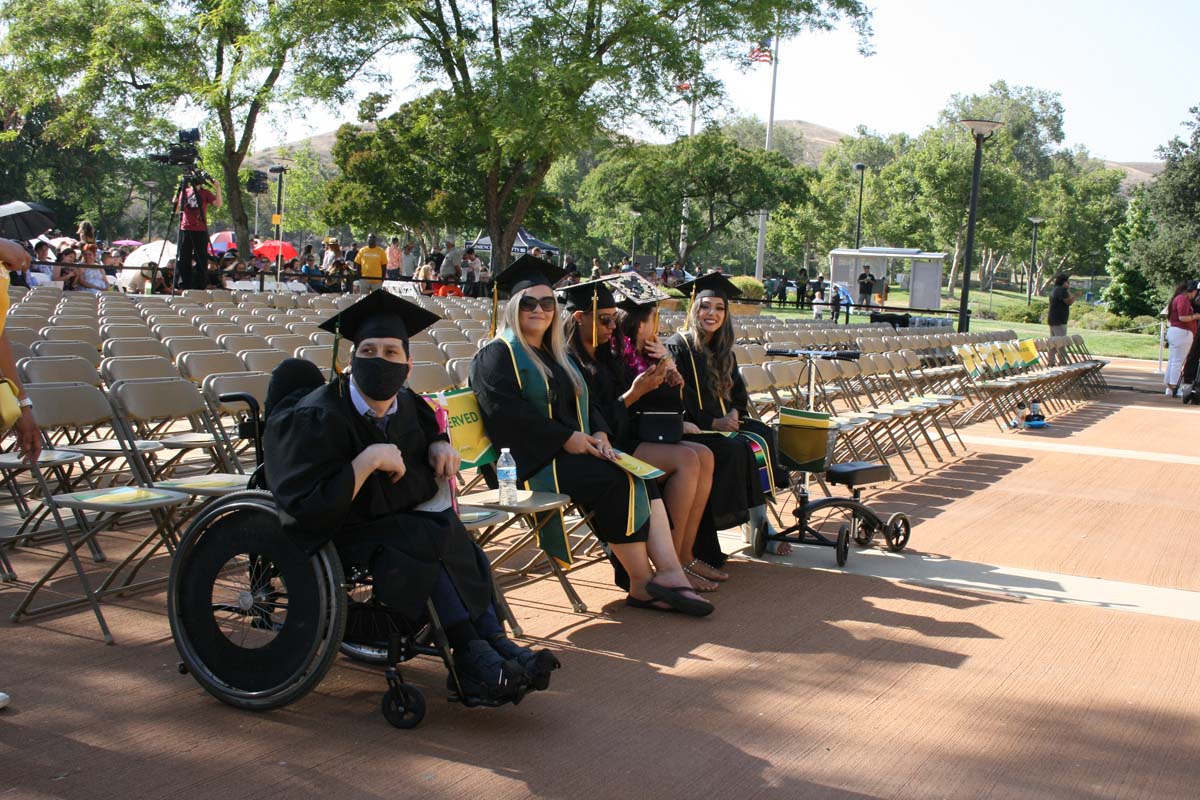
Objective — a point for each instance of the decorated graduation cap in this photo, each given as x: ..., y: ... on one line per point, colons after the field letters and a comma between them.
x: 633, y: 291
x: 524, y: 273
x: 380, y: 314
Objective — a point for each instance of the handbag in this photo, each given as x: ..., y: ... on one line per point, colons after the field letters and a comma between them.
x: 10, y: 409
x: 660, y: 427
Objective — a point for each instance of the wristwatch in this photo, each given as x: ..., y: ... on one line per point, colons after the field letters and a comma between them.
x: 25, y: 402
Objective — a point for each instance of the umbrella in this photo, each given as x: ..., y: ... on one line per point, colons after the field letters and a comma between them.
x: 158, y: 251
x: 22, y: 220
x: 60, y: 242
x: 273, y: 247
x: 127, y: 243
x: 225, y: 240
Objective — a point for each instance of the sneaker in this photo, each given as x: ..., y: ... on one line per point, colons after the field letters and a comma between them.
x: 3, y: 700
x: 486, y: 676
x: 1167, y: 391
x: 538, y: 664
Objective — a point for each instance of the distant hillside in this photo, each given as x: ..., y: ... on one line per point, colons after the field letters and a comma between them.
x: 817, y: 140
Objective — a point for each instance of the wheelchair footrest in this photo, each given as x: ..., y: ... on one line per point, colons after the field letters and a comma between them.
x: 858, y: 473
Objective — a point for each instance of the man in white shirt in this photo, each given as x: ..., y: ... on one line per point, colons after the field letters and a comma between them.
x: 408, y: 259
x: 451, y: 268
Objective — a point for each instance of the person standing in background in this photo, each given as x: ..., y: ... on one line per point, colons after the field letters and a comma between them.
x: 1061, y: 299
x: 409, y: 258
x: 395, y: 260
x: 1182, y: 317
x: 370, y: 262
x: 190, y: 267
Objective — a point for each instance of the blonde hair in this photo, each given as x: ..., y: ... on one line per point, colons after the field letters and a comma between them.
x: 554, y: 341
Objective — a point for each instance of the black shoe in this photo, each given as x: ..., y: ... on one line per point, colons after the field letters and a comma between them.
x: 538, y: 664
x: 486, y: 677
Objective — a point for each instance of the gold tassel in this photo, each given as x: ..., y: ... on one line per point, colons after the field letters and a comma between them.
x: 333, y: 370
x: 688, y: 317
x: 495, y: 307
x: 595, y: 339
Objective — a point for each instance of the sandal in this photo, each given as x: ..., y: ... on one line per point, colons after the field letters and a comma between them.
x: 702, y: 569
x: 702, y: 584
x: 649, y: 605
x: 676, y: 599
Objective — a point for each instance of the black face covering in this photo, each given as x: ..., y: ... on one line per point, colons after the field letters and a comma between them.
x: 378, y: 378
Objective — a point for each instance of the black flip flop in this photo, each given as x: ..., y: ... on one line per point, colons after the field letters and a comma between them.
x: 649, y: 605
x: 677, y: 600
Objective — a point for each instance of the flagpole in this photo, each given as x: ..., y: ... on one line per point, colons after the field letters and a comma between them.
x: 762, y: 215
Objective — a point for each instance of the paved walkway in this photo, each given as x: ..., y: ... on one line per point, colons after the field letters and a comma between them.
x: 1038, y: 640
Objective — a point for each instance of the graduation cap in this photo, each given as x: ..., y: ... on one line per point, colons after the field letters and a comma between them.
x: 380, y: 314
x: 526, y: 271
x: 588, y: 296
x: 714, y: 284
x: 633, y: 291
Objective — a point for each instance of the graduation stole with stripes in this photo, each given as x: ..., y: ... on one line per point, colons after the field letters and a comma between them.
x: 759, y: 446
x: 552, y: 536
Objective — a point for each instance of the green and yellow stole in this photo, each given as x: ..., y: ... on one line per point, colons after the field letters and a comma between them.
x: 552, y: 536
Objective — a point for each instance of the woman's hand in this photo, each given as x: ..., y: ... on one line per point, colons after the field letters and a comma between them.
x: 672, y: 377
x: 727, y: 423
x: 645, y: 383
x: 690, y: 428
x: 581, y: 444
x: 29, y: 441
x: 657, y: 350
x: 605, y: 446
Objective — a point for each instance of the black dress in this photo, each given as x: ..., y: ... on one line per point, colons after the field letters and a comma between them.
x: 607, y: 380
x: 534, y: 440
x: 309, y: 448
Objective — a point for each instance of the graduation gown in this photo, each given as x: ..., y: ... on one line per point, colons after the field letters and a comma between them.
x: 535, y: 440
x: 309, y: 446
x: 607, y: 381
x: 702, y: 407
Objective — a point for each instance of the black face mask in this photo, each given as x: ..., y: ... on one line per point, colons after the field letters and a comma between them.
x: 378, y: 378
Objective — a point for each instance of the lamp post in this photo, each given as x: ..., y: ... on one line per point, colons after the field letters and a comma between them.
x: 150, y: 187
x: 1034, y: 221
x: 981, y: 130
x: 278, y: 170
x: 861, y: 169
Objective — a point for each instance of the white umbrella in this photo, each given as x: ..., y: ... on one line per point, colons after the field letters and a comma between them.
x: 158, y: 251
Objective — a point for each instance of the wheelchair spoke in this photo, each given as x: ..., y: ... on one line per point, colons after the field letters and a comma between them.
x: 249, y: 601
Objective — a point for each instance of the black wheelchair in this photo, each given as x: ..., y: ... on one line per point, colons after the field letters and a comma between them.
x: 258, y: 622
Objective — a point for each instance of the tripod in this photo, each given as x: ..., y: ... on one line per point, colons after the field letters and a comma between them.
x: 176, y: 210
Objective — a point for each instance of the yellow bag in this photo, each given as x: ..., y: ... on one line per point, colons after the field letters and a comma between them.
x: 10, y: 409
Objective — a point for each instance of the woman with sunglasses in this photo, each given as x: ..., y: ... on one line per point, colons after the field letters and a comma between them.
x: 598, y: 351
x: 716, y: 401
x: 535, y: 403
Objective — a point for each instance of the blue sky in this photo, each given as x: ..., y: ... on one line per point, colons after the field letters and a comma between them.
x: 1126, y: 72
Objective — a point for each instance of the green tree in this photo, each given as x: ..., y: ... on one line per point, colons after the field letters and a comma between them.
x: 1170, y: 249
x: 643, y: 187
x: 1130, y: 293
x: 529, y: 85
x: 137, y: 60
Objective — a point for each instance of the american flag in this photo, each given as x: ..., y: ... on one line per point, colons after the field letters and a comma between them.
x: 761, y: 53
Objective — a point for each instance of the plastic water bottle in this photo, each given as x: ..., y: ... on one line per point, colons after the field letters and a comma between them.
x: 1035, y: 410
x: 506, y: 474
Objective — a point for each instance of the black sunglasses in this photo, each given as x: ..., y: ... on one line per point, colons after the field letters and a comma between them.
x: 532, y: 303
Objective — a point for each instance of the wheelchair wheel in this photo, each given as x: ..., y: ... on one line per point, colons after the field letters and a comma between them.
x: 899, y: 528
x: 370, y: 626
x: 842, y: 548
x: 256, y: 620
x: 404, y: 706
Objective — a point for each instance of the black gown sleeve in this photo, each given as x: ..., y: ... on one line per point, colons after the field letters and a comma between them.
x: 307, y: 453
x: 510, y: 420
x: 693, y: 406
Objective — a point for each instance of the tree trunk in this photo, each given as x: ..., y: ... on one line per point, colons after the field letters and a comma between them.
x: 230, y: 166
x: 954, y: 264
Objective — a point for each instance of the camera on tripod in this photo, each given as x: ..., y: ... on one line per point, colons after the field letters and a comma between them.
x: 185, y: 154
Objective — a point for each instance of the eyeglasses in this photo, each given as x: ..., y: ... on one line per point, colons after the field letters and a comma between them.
x: 533, y: 303
x: 606, y: 320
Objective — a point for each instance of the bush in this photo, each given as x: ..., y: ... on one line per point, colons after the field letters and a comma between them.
x: 984, y: 313
x: 1100, y: 320
x: 1019, y: 312
x: 752, y: 288
x: 671, y: 291
x: 1145, y: 324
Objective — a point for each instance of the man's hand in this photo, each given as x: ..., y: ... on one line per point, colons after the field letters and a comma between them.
x: 386, y: 458
x: 13, y: 255
x: 444, y: 459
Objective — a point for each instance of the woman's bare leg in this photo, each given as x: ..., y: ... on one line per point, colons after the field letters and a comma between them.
x: 683, y: 466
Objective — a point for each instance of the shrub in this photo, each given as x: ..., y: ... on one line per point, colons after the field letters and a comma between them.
x: 1019, y: 312
x: 984, y: 313
x: 1099, y: 320
x: 671, y: 291
x: 1145, y: 324
x: 752, y: 288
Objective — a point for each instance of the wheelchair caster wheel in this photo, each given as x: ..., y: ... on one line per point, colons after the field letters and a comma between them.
x: 898, y: 529
x: 865, y: 534
x: 758, y: 540
x: 182, y: 668
x: 842, y: 550
x: 404, y: 706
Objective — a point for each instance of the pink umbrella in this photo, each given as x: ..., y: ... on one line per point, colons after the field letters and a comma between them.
x: 127, y: 243
x: 225, y: 240
x: 273, y: 247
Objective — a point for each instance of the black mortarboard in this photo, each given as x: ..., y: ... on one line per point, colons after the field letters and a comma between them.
x: 528, y: 271
x: 586, y: 296
x: 714, y: 284
x: 633, y: 291
x: 380, y: 314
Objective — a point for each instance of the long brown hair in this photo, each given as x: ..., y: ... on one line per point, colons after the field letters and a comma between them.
x: 719, y: 362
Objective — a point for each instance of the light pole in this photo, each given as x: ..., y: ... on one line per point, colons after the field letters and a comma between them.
x: 1034, y: 221
x: 981, y: 130
x: 278, y: 170
x: 861, y: 169
x: 150, y: 187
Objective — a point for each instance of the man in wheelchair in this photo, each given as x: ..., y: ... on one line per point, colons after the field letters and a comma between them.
x: 360, y: 461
